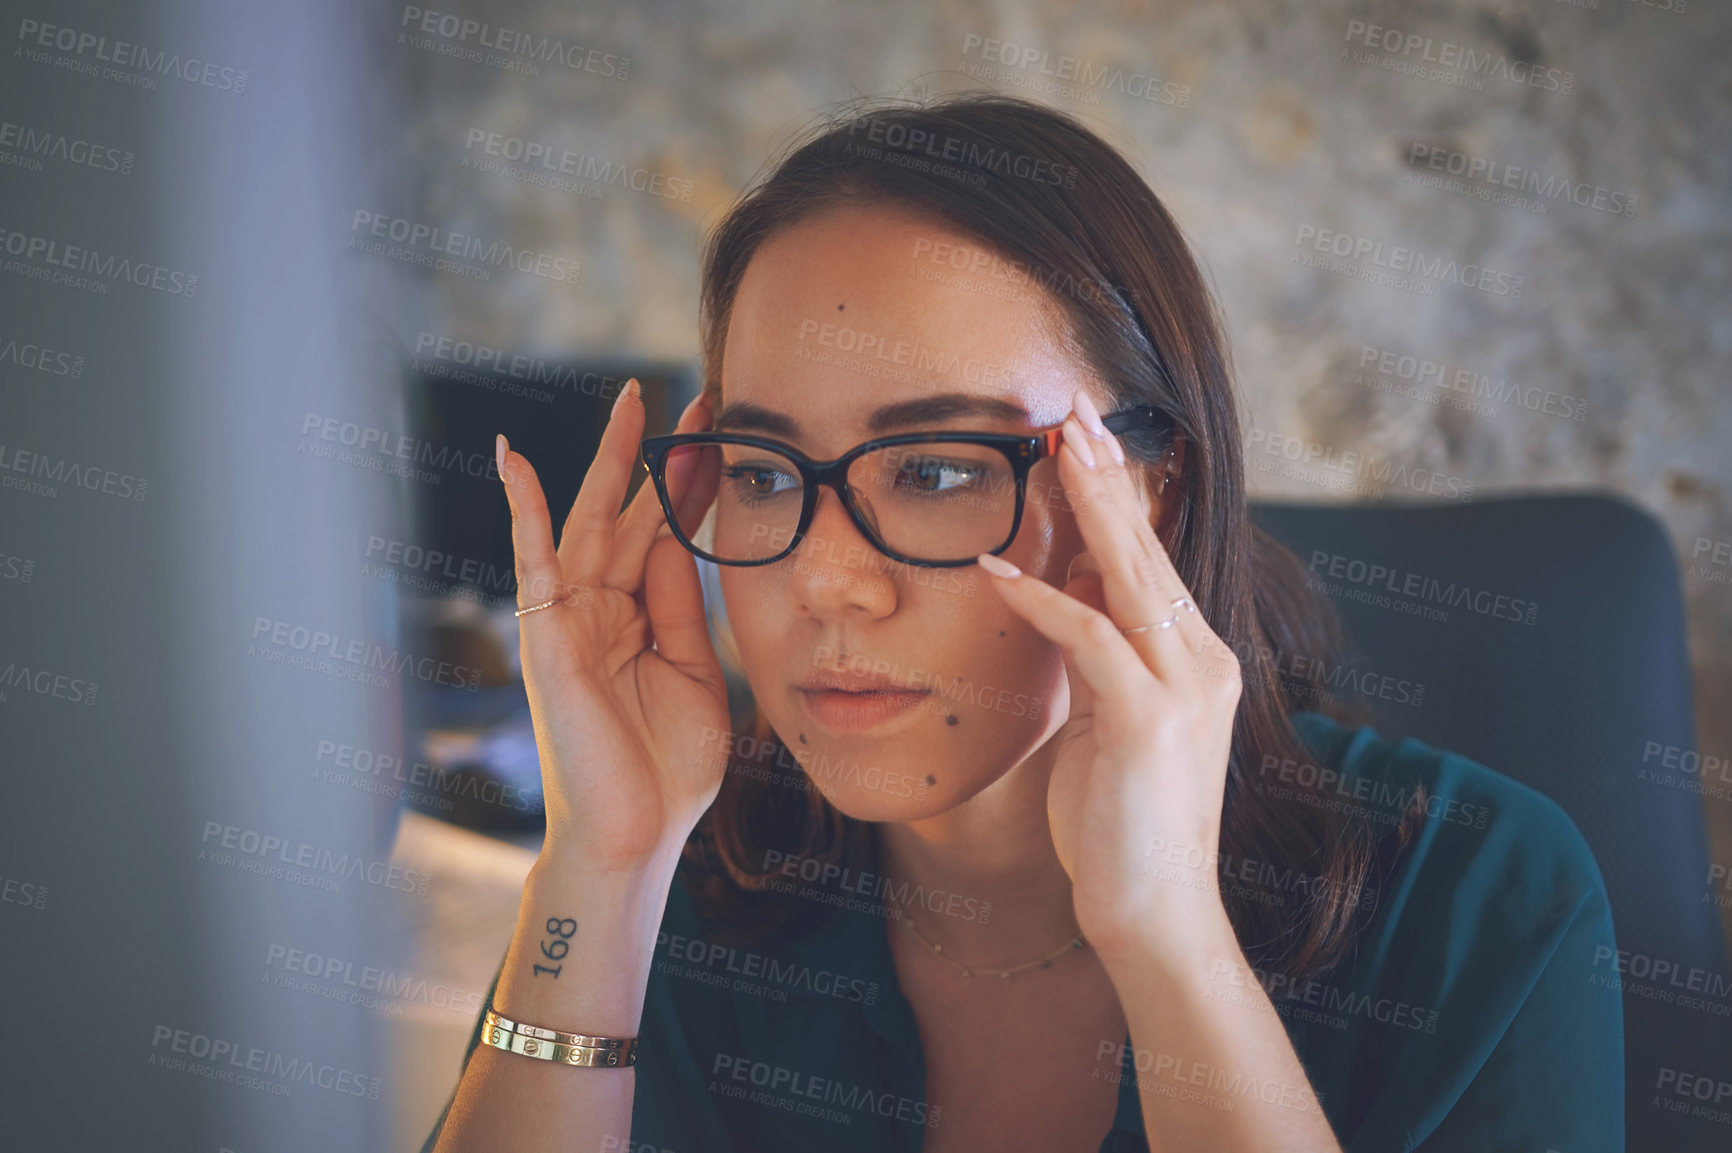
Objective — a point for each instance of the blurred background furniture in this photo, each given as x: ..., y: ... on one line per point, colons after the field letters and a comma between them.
x: 1581, y: 704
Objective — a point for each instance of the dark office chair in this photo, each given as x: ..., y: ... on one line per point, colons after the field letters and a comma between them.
x: 1578, y: 704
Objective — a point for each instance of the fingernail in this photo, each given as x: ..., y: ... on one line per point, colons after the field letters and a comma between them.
x: 630, y: 389
x: 997, y: 566
x: 1114, y: 448
x: 1091, y: 417
x: 499, y: 450
x: 1075, y: 442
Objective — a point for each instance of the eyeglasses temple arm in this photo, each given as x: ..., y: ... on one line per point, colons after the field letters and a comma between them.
x: 1124, y: 420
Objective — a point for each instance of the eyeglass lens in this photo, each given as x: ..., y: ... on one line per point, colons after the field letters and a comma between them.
x: 938, y: 501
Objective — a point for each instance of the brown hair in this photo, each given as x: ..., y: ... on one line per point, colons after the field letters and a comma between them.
x: 1070, y: 216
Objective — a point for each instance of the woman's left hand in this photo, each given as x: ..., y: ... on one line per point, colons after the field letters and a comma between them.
x: 1140, y: 766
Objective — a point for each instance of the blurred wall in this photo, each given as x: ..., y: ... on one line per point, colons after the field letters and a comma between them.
x: 184, y: 621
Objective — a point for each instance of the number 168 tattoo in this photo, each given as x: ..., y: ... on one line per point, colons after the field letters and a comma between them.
x: 561, y: 930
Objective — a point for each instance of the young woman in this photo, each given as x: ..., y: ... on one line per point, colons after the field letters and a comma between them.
x: 1043, y: 835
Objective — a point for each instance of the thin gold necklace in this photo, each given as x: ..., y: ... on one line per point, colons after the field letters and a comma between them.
x: 968, y: 972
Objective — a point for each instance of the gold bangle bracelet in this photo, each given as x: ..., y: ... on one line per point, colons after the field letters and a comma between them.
x: 512, y: 1037
x: 563, y: 1054
x: 581, y: 1040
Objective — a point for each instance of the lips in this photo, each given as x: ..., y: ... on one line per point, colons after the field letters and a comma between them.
x: 850, y: 683
x: 854, y: 702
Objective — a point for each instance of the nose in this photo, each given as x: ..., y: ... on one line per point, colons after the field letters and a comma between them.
x: 836, y: 571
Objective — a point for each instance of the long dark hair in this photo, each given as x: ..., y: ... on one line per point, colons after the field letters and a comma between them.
x: 1066, y: 214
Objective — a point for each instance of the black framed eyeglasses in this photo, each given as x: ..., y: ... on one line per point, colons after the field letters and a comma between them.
x: 933, y: 499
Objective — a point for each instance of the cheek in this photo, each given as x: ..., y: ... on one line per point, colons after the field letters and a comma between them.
x: 756, y: 610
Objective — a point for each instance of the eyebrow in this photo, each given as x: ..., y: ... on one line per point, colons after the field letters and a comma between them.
x: 744, y: 416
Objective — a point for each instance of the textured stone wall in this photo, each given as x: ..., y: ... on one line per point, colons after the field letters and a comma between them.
x: 1575, y: 168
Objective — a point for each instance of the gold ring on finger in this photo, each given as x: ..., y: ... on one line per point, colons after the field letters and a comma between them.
x: 542, y: 605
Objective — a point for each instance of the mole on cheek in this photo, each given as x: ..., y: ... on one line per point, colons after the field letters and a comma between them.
x: 930, y: 779
x: 840, y: 307
x: 802, y: 738
x: 950, y: 719
x: 1000, y: 632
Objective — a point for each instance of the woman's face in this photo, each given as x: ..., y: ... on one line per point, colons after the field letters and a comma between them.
x: 988, y: 689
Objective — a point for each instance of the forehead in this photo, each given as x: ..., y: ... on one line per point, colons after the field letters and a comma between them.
x: 857, y: 308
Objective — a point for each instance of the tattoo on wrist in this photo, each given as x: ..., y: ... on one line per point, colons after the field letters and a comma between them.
x: 560, y: 929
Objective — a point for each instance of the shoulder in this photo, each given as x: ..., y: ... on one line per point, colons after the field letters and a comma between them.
x: 1482, y: 975
x: 1478, y: 829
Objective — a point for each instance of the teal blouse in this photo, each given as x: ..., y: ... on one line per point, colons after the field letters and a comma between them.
x: 1467, y: 1018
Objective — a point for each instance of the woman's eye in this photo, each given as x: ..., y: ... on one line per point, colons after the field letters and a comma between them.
x: 933, y: 475
x: 761, y: 480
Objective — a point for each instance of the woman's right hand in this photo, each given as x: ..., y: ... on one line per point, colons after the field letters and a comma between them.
x: 625, y: 692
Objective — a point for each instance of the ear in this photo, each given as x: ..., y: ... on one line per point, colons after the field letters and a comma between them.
x: 1158, y: 492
